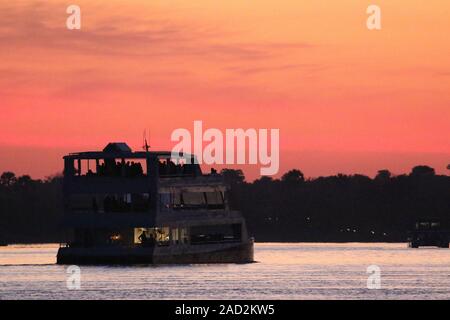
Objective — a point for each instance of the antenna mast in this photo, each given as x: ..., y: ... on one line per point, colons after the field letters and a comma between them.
x: 145, y: 146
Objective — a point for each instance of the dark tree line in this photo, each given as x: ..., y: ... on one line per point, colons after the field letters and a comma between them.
x: 340, y: 207
x: 293, y: 208
x: 30, y: 210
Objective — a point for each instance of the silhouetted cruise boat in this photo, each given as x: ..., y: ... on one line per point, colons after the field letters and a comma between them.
x: 125, y: 207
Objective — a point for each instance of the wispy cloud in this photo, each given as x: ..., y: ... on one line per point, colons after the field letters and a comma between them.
x: 33, y: 25
x: 167, y: 50
x: 308, y: 68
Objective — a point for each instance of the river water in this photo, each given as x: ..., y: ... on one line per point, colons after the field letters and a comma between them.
x: 283, y: 271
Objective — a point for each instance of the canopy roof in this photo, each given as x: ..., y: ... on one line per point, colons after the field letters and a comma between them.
x: 117, y: 147
x: 122, y: 150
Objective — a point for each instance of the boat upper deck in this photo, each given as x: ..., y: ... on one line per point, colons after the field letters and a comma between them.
x: 93, y: 155
x: 117, y: 163
x: 117, y: 159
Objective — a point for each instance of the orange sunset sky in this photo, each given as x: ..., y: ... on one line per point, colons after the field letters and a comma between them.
x: 345, y: 99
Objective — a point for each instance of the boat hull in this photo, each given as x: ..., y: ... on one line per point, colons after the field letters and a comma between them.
x: 224, y: 253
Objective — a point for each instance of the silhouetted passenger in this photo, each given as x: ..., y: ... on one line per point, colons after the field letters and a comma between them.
x: 101, y: 170
x: 151, y: 240
x: 162, y: 168
x: 172, y: 168
x: 128, y: 169
x: 118, y: 171
x: 139, y: 169
x: 143, y: 237
x: 110, y: 167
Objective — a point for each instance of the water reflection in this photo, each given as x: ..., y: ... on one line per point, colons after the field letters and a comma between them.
x: 284, y: 271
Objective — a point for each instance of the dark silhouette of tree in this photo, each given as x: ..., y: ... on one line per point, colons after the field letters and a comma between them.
x: 264, y: 180
x: 25, y: 180
x: 293, y: 176
x: 233, y: 177
x: 422, y: 171
x: 30, y: 210
x: 383, y: 175
x: 8, y: 178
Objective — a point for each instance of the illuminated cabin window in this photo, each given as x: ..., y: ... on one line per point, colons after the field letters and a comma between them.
x: 184, y: 235
x: 179, y: 236
x: 162, y: 235
x: 435, y: 225
x: 175, y: 235
x: 216, y: 234
x: 115, y: 238
x: 152, y: 236
x: 83, y: 237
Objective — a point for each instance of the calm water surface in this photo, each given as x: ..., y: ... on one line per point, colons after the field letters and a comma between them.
x: 283, y: 271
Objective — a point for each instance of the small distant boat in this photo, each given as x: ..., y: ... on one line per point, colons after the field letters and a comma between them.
x: 429, y: 233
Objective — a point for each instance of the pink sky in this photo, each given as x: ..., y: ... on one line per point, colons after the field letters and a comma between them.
x: 345, y: 99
